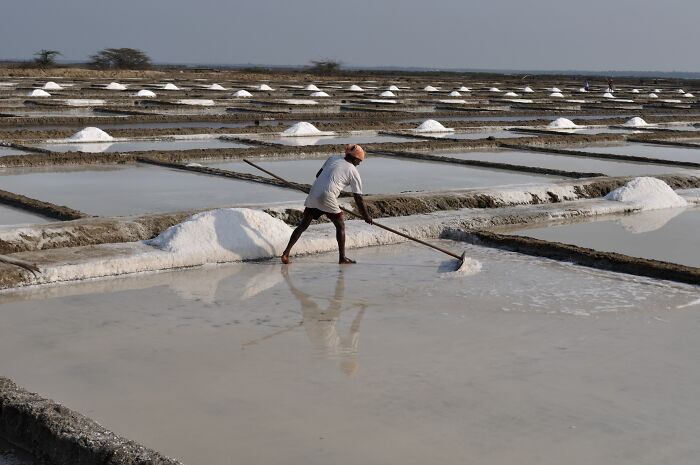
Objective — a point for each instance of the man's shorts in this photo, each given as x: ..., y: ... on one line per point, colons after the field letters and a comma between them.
x: 316, y: 214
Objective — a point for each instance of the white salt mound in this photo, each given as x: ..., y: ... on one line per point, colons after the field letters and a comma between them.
x: 115, y: 86
x: 242, y: 93
x: 227, y: 234
x: 51, y: 86
x: 583, y: 90
x: 454, y: 93
x: 494, y: 89
x: 393, y: 88
x: 430, y: 125
x: 555, y: 89
x: 387, y: 93
x: 528, y: 90
x: 301, y: 128
x: 562, y: 123
x: 464, y: 89
x: 556, y: 94
x: 39, y: 93
x: 653, y: 95
x: 429, y: 89
x: 91, y: 134
x: 264, y: 87
x: 680, y: 91
x: 216, y: 87
x: 688, y: 95
x: 635, y: 122
x: 311, y: 87
x: 170, y: 86
x: 657, y: 91
x: 145, y: 93
x: 635, y: 91
x: 355, y: 88
x: 648, y: 194
x: 608, y: 95
x: 510, y: 94
x: 320, y: 93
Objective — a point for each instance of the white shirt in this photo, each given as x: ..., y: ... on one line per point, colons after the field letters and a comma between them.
x: 336, y: 174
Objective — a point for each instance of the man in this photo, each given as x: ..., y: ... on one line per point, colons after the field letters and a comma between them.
x: 336, y: 174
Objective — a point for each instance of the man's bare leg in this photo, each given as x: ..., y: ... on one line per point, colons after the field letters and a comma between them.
x: 340, y: 237
x: 296, y: 234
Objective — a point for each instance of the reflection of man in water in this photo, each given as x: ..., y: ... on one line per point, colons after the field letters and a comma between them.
x: 320, y: 325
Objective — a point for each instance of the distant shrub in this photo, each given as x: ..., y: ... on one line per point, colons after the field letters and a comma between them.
x: 325, y: 67
x: 46, y: 58
x: 120, y: 58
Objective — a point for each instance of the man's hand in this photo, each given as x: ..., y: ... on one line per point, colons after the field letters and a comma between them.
x: 368, y: 220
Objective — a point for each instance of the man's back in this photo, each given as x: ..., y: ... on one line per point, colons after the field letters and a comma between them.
x: 336, y: 174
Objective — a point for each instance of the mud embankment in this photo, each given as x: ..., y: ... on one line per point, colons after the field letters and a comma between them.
x: 608, y: 261
x: 60, y: 436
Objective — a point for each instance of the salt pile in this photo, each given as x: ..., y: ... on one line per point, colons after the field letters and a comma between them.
x: 635, y: 122
x: 216, y: 87
x: 355, y: 88
x: 555, y: 89
x: 510, y: 94
x: 393, y: 88
x: 653, y: 95
x: 430, y: 125
x: 494, y: 89
x: 196, y: 101
x: 635, y: 91
x: 91, y: 134
x: 170, y: 86
x: 528, y: 90
x: 115, y: 86
x: 562, y: 123
x: 311, y: 87
x: 608, y: 95
x: 224, y: 235
x: 387, y: 93
x: 320, y: 93
x: 609, y: 90
x: 464, y: 89
x: 429, y: 89
x: 145, y: 93
x: 648, y: 194
x: 556, y: 94
x: 242, y: 93
x: 688, y: 95
x: 454, y: 93
x: 583, y: 90
x: 264, y: 87
x: 301, y: 129
x: 39, y: 93
x: 657, y: 91
x: 680, y: 91
x: 51, y: 86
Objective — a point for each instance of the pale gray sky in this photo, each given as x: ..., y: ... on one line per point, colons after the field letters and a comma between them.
x: 495, y: 34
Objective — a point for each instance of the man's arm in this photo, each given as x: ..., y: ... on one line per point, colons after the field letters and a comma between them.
x: 360, y: 202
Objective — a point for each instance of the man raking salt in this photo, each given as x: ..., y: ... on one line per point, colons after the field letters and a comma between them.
x: 336, y: 174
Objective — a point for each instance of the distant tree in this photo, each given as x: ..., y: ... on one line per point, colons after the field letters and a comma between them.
x: 120, y: 58
x: 325, y: 67
x: 46, y: 57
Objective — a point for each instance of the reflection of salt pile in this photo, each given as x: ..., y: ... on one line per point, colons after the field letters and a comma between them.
x: 311, y: 87
x: 355, y: 88
x: 635, y: 122
x: 115, y: 86
x: 562, y: 123
x: 145, y: 93
x: 216, y: 87
x: 302, y: 129
x: 242, y: 93
x: 91, y: 134
x: 430, y: 125
x: 51, y: 86
x: 39, y: 93
x: 264, y: 87
x: 608, y: 95
x: 227, y: 234
x: 647, y: 193
x: 170, y: 86
x: 387, y: 93
x: 555, y: 89
x: 556, y: 95
x: 583, y: 90
x: 320, y: 93
x: 648, y: 221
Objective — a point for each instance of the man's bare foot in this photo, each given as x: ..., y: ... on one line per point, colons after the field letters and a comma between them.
x: 346, y: 261
x: 285, y: 259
